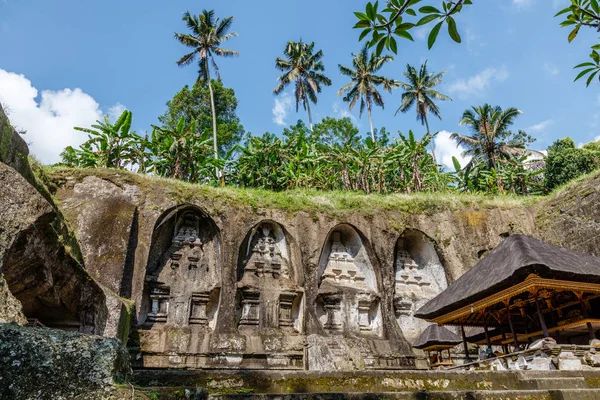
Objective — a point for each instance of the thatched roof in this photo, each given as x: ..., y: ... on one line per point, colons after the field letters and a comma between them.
x: 436, y: 335
x: 508, y: 264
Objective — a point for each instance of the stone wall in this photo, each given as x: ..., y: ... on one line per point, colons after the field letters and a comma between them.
x: 220, y: 283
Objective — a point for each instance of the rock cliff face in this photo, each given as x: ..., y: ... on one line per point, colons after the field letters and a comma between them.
x: 220, y: 282
x: 43, y: 283
x: 571, y: 218
x: 39, y: 276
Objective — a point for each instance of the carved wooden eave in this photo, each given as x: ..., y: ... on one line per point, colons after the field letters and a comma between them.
x: 532, y: 284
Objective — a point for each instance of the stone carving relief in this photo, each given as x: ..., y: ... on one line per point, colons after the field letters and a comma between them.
x: 348, y: 298
x: 183, y: 286
x: 419, y: 277
x: 267, y: 292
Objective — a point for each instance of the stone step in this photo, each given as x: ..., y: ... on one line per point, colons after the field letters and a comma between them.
x: 564, y: 394
x: 550, y: 383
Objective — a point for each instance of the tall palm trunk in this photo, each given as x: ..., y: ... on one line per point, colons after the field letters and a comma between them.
x: 431, y: 142
x: 371, y: 124
x: 309, y: 114
x: 214, y: 118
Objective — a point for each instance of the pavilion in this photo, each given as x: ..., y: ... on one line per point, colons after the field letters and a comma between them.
x: 523, y: 290
x: 435, y: 339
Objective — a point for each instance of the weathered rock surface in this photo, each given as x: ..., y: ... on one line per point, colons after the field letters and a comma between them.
x: 43, y: 363
x: 571, y: 218
x: 36, y: 267
x: 13, y: 149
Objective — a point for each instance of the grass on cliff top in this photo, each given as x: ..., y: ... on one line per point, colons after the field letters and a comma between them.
x: 301, y: 200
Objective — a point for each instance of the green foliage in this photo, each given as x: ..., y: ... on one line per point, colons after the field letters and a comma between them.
x: 183, y: 152
x: 109, y: 145
x: 194, y: 105
x: 566, y: 162
x: 335, y: 157
x: 583, y: 13
x: 382, y: 27
x: 518, y: 177
x: 399, y: 17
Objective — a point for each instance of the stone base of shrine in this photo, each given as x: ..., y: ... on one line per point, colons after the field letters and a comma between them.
x: 557, y: 358
x: 194, y: 348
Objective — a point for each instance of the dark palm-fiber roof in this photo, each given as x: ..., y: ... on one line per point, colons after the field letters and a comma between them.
x: 437, y: 335
x: 508, y: 264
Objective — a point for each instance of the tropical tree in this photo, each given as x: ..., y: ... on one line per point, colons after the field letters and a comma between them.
x: 419, y: 92
x: 566, y: 161
x: 183, y: 152
x: 194, y: 104
x: 364, y: 82
x: 302, y: 66
x: 109, y: 145
x: 491, y: 142
x: 207, y: 35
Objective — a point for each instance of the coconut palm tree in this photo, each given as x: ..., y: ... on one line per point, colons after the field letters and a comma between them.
x: 302, y: 66
x: 491, y: 141
x: 207, y: 35
x: 364, y: 82
x: 420, y: 92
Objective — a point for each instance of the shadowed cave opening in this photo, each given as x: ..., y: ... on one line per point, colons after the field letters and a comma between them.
x: 47, y: 281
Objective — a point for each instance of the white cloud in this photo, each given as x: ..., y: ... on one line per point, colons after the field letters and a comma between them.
x: 551, y: 69
x: 446, y: 148
x: 542, y: 126
x: 342, y: 112
x: 115, y: 111
x: 476, y: 85
x: 281, y: 108
x: 421, y: 32
x: 522, y: 3
x: 473, y: 41
x: 49, y: 122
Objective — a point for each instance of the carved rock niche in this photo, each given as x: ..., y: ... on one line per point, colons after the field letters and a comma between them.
x: 268, y: 293
x: 419, y: 276
x: 183, y: 275
x: 348, y: 300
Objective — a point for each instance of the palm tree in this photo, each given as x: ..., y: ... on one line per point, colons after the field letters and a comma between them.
x: 420, y: 91
x: 364, y: 82
x: 491, y: 140
x: 301, y: 66
x: 207, y: 35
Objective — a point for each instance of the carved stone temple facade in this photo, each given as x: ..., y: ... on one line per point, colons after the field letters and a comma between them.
x: 273, y: 310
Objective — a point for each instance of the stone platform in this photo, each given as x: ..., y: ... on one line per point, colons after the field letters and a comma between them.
x: 258, y: 385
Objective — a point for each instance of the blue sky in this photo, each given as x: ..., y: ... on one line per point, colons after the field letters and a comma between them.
x: 66, y: 62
